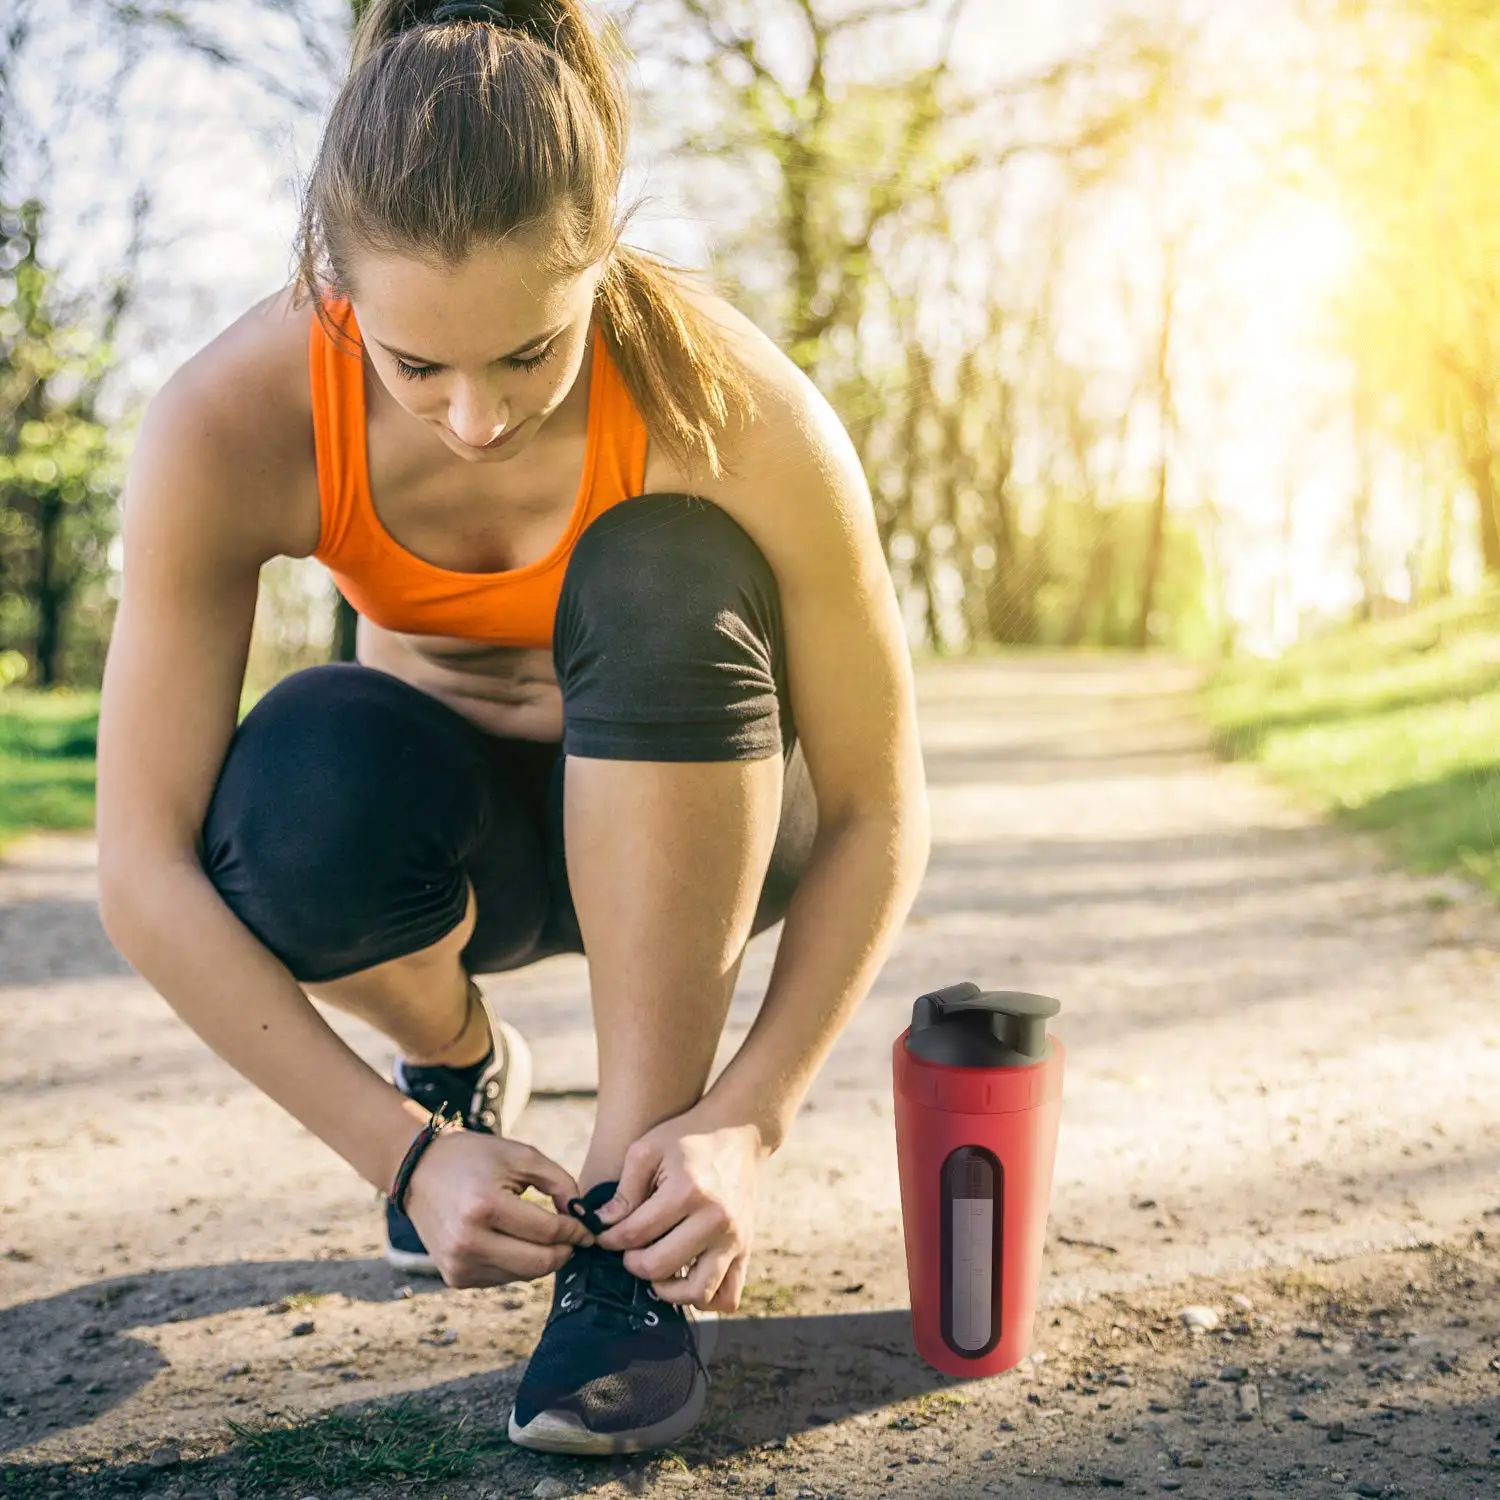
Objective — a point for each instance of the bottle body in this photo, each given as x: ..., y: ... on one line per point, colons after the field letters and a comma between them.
x: 975, y: 1150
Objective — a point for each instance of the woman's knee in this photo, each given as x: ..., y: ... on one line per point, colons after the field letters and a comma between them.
x: 668, y: 642
x: 340, y: 818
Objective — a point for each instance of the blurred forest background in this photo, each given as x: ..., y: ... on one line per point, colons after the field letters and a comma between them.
x: 1174, y: 327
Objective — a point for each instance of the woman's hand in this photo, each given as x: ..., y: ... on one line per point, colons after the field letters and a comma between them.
x: 688, y: 1188
x: 464, y: 1198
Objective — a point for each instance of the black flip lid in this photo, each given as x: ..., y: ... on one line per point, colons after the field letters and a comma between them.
x: 964, y: 1026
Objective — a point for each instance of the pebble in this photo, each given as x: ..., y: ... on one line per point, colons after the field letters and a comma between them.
x: 1157, y: 1406
x: 1241, y: 1301
x: 1170, y: 1484
x: 550, y: 1489
x: 1249, y: 1395
x: 233, y: 1370
x: 164, y: 1458
x: 1121, y: 1379
x: 301, y: 1330
x: 1199, y: 1319
x: 987, y: 1454
x: 1234, y: 1373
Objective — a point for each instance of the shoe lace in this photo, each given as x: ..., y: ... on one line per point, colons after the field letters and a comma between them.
x: 606, y: 1283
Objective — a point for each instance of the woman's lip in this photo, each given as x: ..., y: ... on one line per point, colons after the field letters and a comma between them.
x: 498, y: 442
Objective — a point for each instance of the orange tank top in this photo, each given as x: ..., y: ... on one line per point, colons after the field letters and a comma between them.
x: 400, y: 591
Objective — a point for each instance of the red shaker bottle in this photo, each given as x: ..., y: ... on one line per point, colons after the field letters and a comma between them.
x: 978, y: 1092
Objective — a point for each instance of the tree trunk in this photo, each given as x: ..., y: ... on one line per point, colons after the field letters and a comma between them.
x: 1151, y: 570
x: 345, y: 624
x: 1482, y: 476
x: 50, y: 591
x: 1095, y: 581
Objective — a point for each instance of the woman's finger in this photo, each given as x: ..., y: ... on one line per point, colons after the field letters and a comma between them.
x: 487, y: 1258
x: 699, y: 1286
x: 727, y: 1298
x: 665, y: 1257
x: 529, y: 1165
x: 515, y: 1216
x: 661, y: 1213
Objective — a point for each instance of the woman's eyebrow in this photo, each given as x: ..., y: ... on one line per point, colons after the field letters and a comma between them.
x: 417, y: 359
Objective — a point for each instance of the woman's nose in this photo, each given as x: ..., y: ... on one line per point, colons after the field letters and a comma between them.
x: 474, y: 420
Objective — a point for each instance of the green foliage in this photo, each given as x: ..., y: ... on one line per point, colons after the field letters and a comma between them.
x: 60, y: 470
x: 1393, y: 727
x: 406, y: 1441
x: 1421, y: 314
x: 47, y: 746
x: 1180, y: 612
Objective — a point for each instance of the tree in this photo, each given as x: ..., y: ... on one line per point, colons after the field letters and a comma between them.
x: 1416, y: 167
x: 59, y: 470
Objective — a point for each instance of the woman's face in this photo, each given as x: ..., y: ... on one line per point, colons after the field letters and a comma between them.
x: 483, y: 353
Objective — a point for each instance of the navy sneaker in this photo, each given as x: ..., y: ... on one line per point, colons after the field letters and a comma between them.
x: 490, y: 1096
x: 616, y: 1370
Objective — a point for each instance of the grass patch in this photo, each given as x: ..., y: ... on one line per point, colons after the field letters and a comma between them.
x: 1393, y: 728
x: 48, y: 759
x: 406, y: 1440
x: 47, y: 750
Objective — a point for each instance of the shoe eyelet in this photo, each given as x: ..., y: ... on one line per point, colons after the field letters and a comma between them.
x: 651, y: 1293
x: 569, y: 1277
x: 652, y: 1320
x: 567, y: 1300
x: 487, y: 1118
x: 492, y: 1089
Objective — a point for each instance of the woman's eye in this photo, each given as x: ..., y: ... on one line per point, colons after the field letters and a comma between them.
x: 421, y: 372
x: 536, y: 361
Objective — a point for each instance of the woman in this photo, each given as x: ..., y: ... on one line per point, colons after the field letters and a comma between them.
x: 631, y: 682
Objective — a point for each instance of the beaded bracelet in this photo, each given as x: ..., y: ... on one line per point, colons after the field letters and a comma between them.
x: 435, y: 1126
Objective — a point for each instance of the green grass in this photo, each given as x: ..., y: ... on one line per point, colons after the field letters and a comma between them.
x: 48, y: 743
x: 406, y: 1440
x: 1393, y: 728
x: 47, y: 747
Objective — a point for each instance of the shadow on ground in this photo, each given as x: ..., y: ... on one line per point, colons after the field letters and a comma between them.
x: 774, y: 1376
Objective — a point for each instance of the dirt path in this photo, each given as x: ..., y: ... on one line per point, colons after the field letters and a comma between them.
x: 1283, y: 1086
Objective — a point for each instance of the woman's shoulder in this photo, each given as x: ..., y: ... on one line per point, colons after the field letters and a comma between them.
x: 244, y: 399
x: 792, y: 417
x: 766, y: 369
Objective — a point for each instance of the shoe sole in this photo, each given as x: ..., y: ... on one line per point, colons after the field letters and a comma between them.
x: 564, y: 1432
x: 515, y: 1092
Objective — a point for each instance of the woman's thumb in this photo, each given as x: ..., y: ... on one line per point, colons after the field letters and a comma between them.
x: 634, y: 1184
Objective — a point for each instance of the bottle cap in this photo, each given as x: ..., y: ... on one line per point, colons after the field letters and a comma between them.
x: 964, y: 1026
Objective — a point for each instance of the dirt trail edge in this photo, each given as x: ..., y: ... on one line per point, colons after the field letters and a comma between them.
x: 1274, y: 1254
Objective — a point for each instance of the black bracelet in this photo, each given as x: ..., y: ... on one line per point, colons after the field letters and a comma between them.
x: 435, y: 1127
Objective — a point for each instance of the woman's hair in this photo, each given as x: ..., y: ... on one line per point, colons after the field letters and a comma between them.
x: 449, y: 135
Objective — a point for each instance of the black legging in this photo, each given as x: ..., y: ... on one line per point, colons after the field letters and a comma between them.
x: 351, y: 805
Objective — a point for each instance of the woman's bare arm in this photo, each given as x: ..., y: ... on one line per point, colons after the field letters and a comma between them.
x: 206, y: 505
